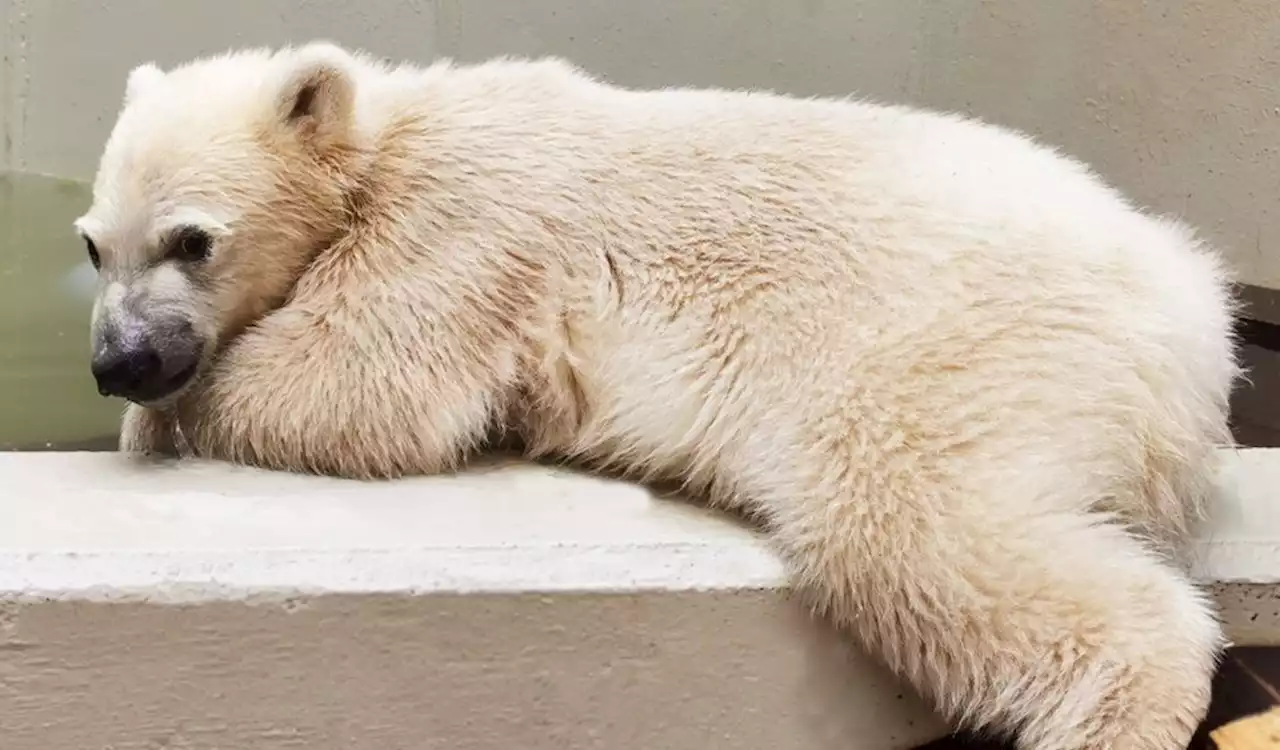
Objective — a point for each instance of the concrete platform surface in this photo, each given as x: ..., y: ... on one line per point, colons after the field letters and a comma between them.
x: 195, y: 605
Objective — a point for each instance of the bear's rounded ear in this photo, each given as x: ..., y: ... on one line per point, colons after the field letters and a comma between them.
x: 141, y: 80
x: 317, y: 97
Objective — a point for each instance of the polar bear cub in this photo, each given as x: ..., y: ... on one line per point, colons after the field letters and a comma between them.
x: 971, y: 393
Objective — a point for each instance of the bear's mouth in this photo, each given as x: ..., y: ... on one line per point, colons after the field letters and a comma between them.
x: 168, y: 387
x: 180, y: 378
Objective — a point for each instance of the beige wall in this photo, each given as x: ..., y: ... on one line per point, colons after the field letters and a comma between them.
x: 1174, y: 101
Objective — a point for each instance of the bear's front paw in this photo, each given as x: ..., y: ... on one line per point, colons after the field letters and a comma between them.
x: 148, y: 431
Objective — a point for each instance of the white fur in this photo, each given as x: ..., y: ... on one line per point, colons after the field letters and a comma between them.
x: 972, y: 393
x: 144, y: 78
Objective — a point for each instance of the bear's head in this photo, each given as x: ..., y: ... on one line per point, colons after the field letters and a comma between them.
x: 221, y: 181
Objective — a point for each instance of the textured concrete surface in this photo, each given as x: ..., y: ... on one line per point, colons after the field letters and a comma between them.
x: 194, y: 605
x: 195, y: 531
x: 191, y: 531
x: 1175, y: 102
x: 672, y: 671
x: 1240, y: 542
x: 149, y: 605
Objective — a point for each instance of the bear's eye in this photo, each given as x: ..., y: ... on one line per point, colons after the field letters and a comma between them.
x: 191, y: 244
x: 93, y: 254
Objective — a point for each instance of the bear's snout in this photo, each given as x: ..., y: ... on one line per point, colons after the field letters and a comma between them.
x: 146, y: 368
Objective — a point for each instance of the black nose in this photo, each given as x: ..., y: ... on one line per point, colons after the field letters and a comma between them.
x: 126, y: 372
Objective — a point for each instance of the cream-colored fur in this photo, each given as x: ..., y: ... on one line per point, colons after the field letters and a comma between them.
x: 970, y: 391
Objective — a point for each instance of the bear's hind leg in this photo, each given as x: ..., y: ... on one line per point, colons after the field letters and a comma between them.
x: 1055, y: 627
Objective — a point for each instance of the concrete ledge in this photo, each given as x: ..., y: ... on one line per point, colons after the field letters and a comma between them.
x: 192, y: 531
x: 197, y: 605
